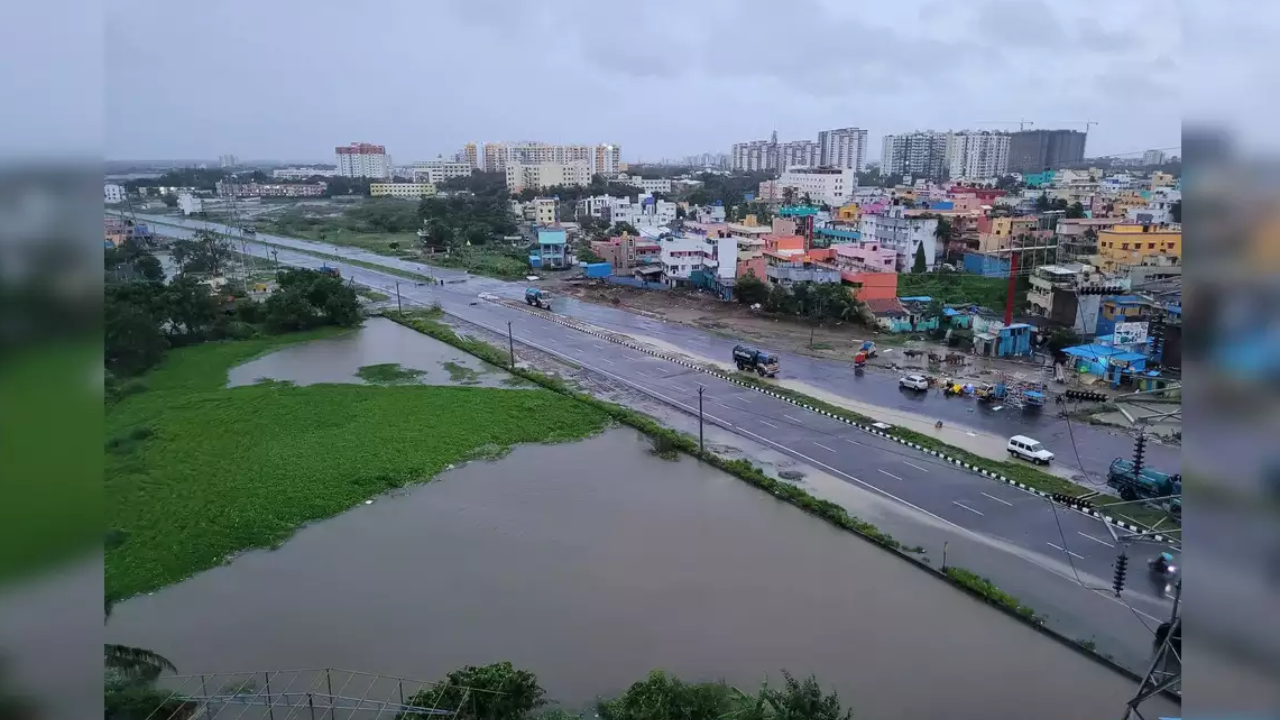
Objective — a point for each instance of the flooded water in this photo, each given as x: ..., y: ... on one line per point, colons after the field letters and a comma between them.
x: 378, y: 342
x: 595, y: 562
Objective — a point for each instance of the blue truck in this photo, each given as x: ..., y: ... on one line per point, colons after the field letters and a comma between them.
x: 1150, y: 485
x: 598, y: 270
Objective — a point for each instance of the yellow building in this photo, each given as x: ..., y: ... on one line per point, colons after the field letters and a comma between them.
x: 848, y: 213
x: 409, y: 191
x: 1125, y: 245
x: 1161, y: 179
x: 1127, y: 201
x: 997, y: 233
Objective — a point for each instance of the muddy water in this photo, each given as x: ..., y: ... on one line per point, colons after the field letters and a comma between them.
x: 595, y: 562
x: 379, y: 341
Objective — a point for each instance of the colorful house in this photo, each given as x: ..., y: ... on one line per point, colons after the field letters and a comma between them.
x: 1000, y: 340
x: 550, y: 252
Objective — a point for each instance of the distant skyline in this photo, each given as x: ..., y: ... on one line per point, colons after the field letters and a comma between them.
x: 667, y: 82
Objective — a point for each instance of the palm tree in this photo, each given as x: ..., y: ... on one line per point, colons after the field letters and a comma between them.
x: 788, y: 196
x: 131, y: 663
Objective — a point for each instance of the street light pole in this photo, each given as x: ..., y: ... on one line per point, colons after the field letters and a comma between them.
x: 511, y: 346
x: 398, y: 306
x: 702, y: 447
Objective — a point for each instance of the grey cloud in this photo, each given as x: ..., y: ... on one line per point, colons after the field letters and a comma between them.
x: 1019, y: 23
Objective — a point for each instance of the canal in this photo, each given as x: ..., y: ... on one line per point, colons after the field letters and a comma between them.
x: 595, y: 562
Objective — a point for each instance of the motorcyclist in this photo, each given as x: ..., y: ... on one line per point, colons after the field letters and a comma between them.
x: 1162, y: 563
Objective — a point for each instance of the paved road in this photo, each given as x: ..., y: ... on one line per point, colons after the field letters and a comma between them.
x: 1096, y: 446
x: 1059, y: 540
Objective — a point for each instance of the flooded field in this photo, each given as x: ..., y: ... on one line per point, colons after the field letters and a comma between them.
x: 594, y: 562
x: 378, y: 342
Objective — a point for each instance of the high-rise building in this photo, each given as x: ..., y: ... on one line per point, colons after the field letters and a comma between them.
x: 362, y: 160
x: 843, y: 148
x: 1153, y: 157
x: 228, y: 161
x: 600, y: 159
x: 921, y: 154
x: 974, y: 155
x: 542, y: 175
x: 829, y: 185
x: 438, y: 170
x: 1033, y: 151
x: 755, y: 156
x: 799, y: 153
x: 470, y: 155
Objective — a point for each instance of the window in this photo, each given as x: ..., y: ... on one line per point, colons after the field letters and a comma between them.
x: 1125, y: 246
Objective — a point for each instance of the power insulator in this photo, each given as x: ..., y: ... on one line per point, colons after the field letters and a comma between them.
x: 1139, y: 456
x: 1122, y: 568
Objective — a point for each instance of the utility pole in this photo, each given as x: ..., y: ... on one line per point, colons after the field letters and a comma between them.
x: 511, y: 346
x: 702, y: 447
x: 275, y: 255
x: 398, y: 306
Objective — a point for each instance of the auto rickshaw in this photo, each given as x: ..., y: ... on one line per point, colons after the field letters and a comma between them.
x: 859, y: 360
x: 985, y: 392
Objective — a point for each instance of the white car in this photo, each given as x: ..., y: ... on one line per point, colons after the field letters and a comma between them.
x: 1029, y: 449
x: 914, y: 382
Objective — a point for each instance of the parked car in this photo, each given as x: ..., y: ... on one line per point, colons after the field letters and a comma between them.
x: 1029, y: 449
x: 914, y: 382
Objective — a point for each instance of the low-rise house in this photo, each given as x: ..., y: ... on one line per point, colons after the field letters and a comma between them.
x: 550, y: 252
x: 627, y: 252
x: 868, y: 269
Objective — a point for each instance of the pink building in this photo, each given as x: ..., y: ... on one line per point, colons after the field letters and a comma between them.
x: 627, y: 252
x: 869, y: 268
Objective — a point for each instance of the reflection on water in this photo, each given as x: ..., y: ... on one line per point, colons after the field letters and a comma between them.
x: 379, y: 341
x: 593, y: 563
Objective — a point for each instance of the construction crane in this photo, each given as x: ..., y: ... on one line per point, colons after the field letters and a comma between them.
x: 1022, y: 124
x: 1086, y: 123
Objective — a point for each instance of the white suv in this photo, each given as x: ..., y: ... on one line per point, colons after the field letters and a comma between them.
x: 914, y: 382
x: 1029, y: 449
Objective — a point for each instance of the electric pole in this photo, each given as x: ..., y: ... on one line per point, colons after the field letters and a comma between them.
x: 275, y: 255
x: 702, y: 446
x: 511, y: 346
x: 399, y: 309
x: 1165, y: 671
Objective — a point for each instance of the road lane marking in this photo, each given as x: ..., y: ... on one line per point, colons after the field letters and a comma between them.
x: 915, y: 466
x: 993, y: 497
x: 886, y: 472
x: 766, y: 422
x: 1104, y: 542
x: 607, y: 360
x: 735, y: 397
x: 641, y: 372
x: 966, y: 507
x: 824, y: 447
x: 1077, y: 556
x: 793, y: 419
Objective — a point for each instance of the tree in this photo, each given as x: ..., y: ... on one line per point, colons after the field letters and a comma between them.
x: 751, y: 290
x: 807, y: 199
x: 504, y: 693
x: 587, y: 255
x: 921, y: 263
x: 1062, y: 337
x: 1175, y: 211
x: 625, y: 227
x: 169, y: 200
x: 133, y: 340
x: 394, y: 246
x: 665, y: 697
x: 1042, y: 203
x: 680, y: 213
x: 208, y: 253
x: 944, y: 230
x: 788, y: 195
x: 190, y: 310
x: 1076, y: 210
x: 795, y: 700
x: 309, y: 298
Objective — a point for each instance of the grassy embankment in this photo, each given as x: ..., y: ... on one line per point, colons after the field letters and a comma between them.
x: 195, y: 471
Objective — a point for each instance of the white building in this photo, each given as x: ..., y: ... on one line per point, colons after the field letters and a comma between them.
x: 651, y: 185
x: 799, y: 153
x: 229, y: 161
x: 544, y: 175
x: 405, y: 191
x: 1153, y: 157
x: 190, y: 204
x: 681, y: 256
x: 112, y: 193
x: 601, y: 159
x: 843, y: 148
x: 833, y: 186
x: 439, y: 170
x: 978, y: 155
x: 902, y: 233
x: 362, y: 160
x: 301, y: 173
x: 755, y: 156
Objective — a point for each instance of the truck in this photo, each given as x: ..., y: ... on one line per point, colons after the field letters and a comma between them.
x: 536, y: 298
x: 1151, y: 485
x: 330, y: 271
x: 598, y: 270
x: 748, y: 358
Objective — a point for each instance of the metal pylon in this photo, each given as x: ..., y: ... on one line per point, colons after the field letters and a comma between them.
x: 1165, y: 672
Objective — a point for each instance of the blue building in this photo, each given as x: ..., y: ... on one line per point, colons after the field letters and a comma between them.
x: 1000, y: 340
x: 986, y: 265
x: 550, y: 253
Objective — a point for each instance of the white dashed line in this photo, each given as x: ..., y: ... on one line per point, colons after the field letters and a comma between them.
x: 742, y: 399
x: 886, y: 472
x: 966, y: 507
x: 914, y: 466
x: 766, y: 422
x: 605, y: 360
x: 824, y: 447
x: 1103, y: 542
x: 1059, y: 549
x: 641, y: 372
x: 793, y: 418
x: 993, y: 497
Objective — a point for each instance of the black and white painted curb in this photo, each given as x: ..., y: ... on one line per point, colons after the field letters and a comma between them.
x: 613, y: 338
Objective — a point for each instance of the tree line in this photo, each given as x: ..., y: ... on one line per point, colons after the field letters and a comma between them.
x: 819, y: 301
x: 145, y: 314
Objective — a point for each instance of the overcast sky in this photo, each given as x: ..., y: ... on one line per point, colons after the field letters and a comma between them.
x: 290, y: 79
